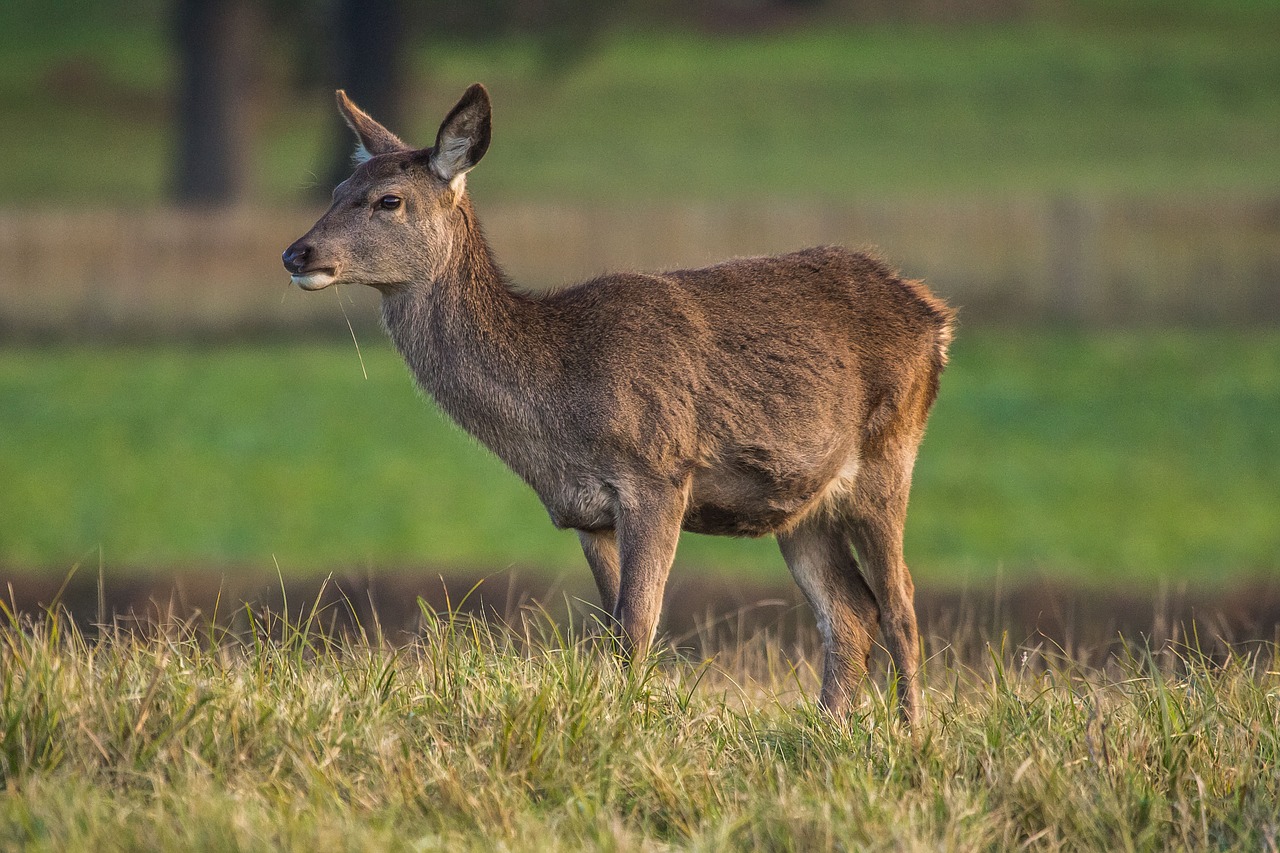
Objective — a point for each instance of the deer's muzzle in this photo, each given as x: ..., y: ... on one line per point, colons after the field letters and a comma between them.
x: 299, y: 260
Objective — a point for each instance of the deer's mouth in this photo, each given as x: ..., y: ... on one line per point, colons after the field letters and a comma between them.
x: 315, y: 279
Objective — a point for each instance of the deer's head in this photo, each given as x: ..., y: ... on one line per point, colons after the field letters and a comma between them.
x: 392, y: 221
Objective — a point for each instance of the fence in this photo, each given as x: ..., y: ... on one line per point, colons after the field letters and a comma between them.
x: 104, y: 273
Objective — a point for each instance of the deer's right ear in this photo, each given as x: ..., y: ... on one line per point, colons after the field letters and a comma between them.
x: 463, y: 136
x: 374, y: 139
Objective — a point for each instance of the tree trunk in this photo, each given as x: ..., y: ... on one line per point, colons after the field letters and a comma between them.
x: 214, y: 45
x: 369, y: 42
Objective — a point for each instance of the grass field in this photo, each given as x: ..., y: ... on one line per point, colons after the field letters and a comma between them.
x: 1123, y: 456
x: 1127, y: 97
x: 474, y: 737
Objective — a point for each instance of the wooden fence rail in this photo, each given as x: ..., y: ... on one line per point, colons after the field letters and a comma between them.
x: 164, y: 272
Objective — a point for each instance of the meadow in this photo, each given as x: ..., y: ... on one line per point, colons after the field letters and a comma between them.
x: 1119, y: 461
x: 475, y: 736
x: 1131, y: 457
x: 1115, y: 456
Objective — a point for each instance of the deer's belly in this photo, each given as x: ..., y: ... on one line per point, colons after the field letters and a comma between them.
x: 734, y: 500
x: 585, y: 504
x: 751, y: 501
x: 719, y: 520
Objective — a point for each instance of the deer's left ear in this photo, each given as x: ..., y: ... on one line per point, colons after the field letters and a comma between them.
x: 374, y: 139
x: 463, y: 136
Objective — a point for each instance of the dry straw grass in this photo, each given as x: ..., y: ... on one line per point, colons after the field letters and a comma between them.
x: 527, y: 736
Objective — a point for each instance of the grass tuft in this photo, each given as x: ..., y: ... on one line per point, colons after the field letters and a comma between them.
x: 275, y: 733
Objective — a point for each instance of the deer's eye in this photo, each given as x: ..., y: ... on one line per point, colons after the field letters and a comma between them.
x: 389, y: 202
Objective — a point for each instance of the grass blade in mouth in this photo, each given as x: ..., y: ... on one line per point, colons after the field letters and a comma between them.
x: 351, y: 329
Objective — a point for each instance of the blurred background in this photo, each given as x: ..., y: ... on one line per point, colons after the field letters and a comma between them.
x: 1095, y: 184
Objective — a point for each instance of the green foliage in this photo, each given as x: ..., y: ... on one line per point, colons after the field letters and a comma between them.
x: 1116, y: 456
x: 479, y: 737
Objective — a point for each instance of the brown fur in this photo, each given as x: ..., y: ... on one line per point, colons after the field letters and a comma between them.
x: 777, y: 396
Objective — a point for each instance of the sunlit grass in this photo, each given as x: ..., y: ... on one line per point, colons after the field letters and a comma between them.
x: 469, y: 735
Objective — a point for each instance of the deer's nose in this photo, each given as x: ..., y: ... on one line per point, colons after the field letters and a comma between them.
x: 295, y: 257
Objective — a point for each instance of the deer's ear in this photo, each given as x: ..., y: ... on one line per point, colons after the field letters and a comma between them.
x: 373, y: 138
x: 463, y: 136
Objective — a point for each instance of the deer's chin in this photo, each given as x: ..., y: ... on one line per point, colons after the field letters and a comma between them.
x: 318, y: 280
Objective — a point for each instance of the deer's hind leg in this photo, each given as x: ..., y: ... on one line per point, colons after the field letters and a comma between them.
x: 817, y: 553
x: 878, y: 517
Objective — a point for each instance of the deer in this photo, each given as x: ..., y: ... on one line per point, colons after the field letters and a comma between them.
x: 780, y: 396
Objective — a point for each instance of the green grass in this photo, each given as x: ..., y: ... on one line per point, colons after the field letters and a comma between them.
x: 1124, y: 456
x: 1130, y: 98
x: 472, y: 737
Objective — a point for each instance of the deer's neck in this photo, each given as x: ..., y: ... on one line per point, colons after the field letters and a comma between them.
x: 484, y: 352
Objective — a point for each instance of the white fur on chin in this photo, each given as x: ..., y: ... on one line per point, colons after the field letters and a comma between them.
x: 313, y: 281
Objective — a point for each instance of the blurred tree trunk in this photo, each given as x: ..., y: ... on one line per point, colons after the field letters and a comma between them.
x: 214, y: 40
x: 369, y: 43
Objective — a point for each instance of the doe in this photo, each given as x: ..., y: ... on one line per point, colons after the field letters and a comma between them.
x: 780, y: 396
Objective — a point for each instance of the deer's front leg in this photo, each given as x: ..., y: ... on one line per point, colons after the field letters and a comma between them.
x: 601, y: 550
x: 647, y: 533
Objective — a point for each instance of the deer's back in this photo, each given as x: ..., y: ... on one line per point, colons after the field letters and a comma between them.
x: 766, y: 379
